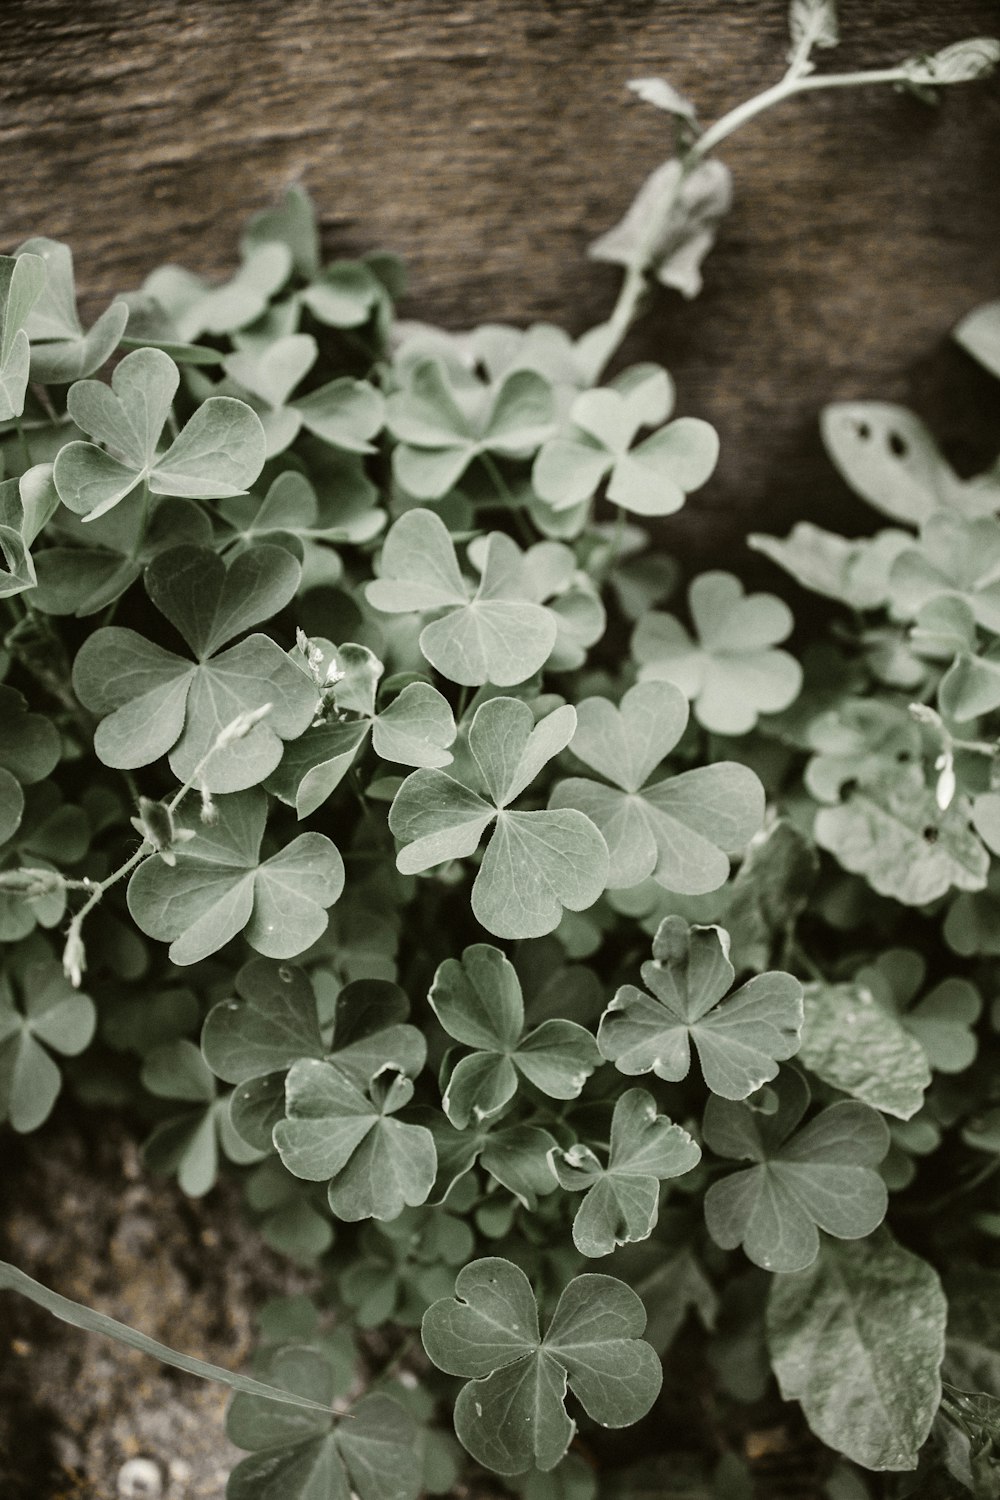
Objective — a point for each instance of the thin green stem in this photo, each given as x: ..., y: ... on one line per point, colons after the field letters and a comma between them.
x: 795, y: 81
x: 23, y: 440
x: 503, y: 490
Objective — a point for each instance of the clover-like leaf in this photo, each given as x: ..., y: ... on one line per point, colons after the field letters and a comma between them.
x: 270, y: 1023
x: 511, y: 1416
x: 772, y: 888
x: 739, y: 1043
x: 253, y: 1039
x: 536, y: 863
x: 293, y: 511
x: 153, y: 702
x: 193, y: 307
x: 333, y: 1131
x: 297, y: 1454
x: 679, y: 830
x: 93, y: 563
x: 415, y: 728
x: 515, y: 1156
x: 187, y: 1145
x: 220, y: 886
x: 855, y: 573
x: 650, y: 478
x: 892, y: 831
x: 954, y: 557
x: 219, y: 451
x: 26, y: 505
x: 890, y: 459
x: 22, y: 280
x: 942, y: 1021
x: 858, y: 1339
x: 60, y: 349
x: 444, y: 418
x: 861, y: 740
x: 478, y: 1001
x: 29, y: 750
x: 492, y: 633
x: 345, y: 413
x: 622, y: 1197
x: 686, y: 206
x: 40, y: 1013
x: 822, y: 1175
x: 979, y: 334
x: 731, y: 672
x: 851, y: 1041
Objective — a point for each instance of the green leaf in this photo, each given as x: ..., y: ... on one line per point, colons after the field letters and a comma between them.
x: 415, y: 728
x: 495, y: 633
x: 39, y: 1010
x: 861, y: 741
x: 334, y: 1132
x: 772, y: 888
x: 679, y: 830
x: 270, y: 1024
x: 739, y: 1043
x: 219, y: 452
x: 979, y: 334
x: 515, y: 1156
x: 153, y: 702
x: 345, y: 511
x: 942, y: 1021
x: 313, y: 1453
x: 478, y: 1001
x: 822, y: 1175
x: 60, y: 350
x: 852, y: 1042
x: 537, y: 863
x: 652, y: 478
x: 443, y: 419
x: 954, y: 557
x: 94, y: 563
x: 26, y: 506
x: 622, y: 1198
x: 194, y: 307
x: 30, y: 745
x: 731, y: 673
x: 892, y: 832
x: 858, y: 1339
x: 813, y: 23
x: 511, y: 1415
x: 889, y: 458
x: 345, y: 413
x: 961, y: 62
x: 220, y: 887
x: 22, y: 281
x: 686, y: 207
x: 855, y: 573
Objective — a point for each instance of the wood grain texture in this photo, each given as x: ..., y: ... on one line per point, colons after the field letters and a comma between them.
x: 490, y: 141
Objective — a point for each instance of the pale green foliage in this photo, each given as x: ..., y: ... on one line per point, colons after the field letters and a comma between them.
x: 818, y: 1176
x: 739, y: 1043
x: 731, y: 670
x: 316, y: 652
x: 511, y: 1414
x: 877, y: 1310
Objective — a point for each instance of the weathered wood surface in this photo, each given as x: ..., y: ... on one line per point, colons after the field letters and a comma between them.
x: 489, y: 141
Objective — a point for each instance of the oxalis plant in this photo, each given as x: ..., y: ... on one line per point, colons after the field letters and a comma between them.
x: 576, y: 978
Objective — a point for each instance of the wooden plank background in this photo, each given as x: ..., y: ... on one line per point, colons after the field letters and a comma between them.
x: 490, y: 141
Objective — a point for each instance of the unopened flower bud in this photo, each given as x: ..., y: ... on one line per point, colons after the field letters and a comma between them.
x: 241, y: 726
